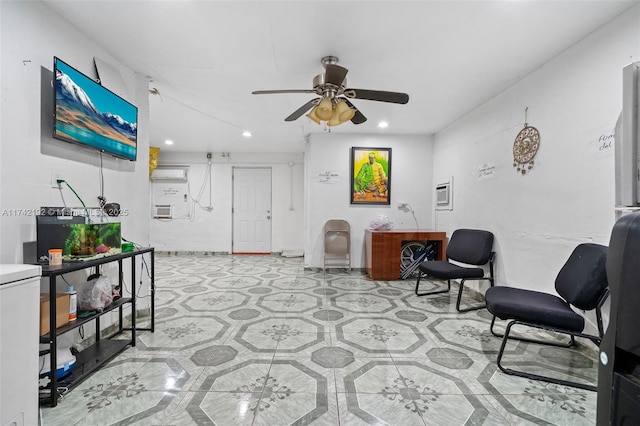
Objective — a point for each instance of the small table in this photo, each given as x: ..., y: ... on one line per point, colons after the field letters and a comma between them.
x: 382, y: 254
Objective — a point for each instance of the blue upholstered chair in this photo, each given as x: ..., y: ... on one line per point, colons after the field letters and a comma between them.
x: 582, y: 282
x: 471, y: 247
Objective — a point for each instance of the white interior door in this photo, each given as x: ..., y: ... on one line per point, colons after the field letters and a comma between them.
x: 251, y: 210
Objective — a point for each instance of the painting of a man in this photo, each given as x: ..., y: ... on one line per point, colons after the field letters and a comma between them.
x: 371, y: 182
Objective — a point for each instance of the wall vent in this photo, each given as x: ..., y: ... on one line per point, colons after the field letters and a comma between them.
x: 444, y: 195
x: 162, y: 211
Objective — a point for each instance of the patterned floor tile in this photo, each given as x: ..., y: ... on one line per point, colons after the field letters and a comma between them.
x: 539, y: 408
x: 259, y: 340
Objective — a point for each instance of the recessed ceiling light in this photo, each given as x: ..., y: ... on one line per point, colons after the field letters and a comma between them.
x: 168, y: 142
x: 246, y: 134
x: 383, y: 124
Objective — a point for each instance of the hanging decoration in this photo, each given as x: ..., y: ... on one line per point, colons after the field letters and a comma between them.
x: 525, y: 146
x: 153, y: 159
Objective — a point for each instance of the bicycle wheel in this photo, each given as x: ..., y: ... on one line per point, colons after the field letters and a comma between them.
x: 409, y: 252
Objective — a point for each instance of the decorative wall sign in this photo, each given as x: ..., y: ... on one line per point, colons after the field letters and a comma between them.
x: 525, y: 146
x: 486, y: 171
x: 370, y: 176
x: 328, y: 177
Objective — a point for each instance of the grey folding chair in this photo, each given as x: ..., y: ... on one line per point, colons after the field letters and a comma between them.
x: 337, y: 244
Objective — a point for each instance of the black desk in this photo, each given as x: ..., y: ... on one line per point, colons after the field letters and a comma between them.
x: 93, y: 357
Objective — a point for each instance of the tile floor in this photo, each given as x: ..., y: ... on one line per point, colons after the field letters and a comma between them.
x: 258, y: 340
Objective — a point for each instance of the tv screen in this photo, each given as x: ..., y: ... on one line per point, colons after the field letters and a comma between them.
x: 91, y: 115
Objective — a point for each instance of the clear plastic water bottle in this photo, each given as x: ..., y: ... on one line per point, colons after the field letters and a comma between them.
x: 73, y: 303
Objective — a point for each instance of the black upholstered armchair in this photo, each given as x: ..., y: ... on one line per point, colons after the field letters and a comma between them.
x: 471, y: 247
x: 582, y: 282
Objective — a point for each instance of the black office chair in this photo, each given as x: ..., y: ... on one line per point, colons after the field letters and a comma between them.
x: 467, y: 246
x: 582, y: 282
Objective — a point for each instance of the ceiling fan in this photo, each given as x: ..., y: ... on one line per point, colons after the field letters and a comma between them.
x: 333, y: 105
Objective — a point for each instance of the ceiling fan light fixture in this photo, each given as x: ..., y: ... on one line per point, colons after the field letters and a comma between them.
x: 335, y: 119
x: 343, y: 112
x: 331, y: 87
x: 312, y: 116
x: 324, y: 110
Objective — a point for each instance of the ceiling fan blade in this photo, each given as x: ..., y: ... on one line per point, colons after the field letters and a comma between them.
x: 335, y: 74
x: 304, y: 108
x: 377, y: 95
x: 270, y: 92
x: 358, y: 118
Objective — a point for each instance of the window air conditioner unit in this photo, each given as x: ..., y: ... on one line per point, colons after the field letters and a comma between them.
x: 162, y: 211
x: 170, y: 174
x: 444, y: 195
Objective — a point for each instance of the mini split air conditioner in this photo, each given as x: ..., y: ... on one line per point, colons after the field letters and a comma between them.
x: 170, y: 174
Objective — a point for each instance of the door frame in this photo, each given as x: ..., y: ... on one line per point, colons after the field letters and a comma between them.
x: 233, y: 213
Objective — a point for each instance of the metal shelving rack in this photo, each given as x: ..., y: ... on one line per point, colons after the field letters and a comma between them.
x: 93, y: 357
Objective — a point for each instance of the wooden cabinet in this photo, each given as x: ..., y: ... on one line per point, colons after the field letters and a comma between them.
x: 382, y: 250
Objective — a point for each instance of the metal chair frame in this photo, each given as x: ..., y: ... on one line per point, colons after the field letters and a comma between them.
x: 573, y: 334
x: 490, y: 278
x: 337, y: 256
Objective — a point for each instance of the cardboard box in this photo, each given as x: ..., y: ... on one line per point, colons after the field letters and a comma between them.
x: 62, y: 311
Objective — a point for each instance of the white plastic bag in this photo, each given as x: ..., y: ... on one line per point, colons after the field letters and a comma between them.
x: 95, y: 295
x: 381, y: 223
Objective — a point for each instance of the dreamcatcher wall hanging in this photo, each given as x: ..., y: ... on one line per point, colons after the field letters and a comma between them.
x: 525, y: 146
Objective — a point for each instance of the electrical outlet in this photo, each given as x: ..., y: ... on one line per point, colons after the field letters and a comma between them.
x: 55, y: 176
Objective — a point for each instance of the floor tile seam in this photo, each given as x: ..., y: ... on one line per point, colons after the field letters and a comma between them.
x: 428, y: 393
x: 578, y: 392
x: 327, y: 391
x: 234, y: 391
x: 540, y: 361
x: 468, y: 380
x: 259, y: 399
x: 436, y: 393
x: 497, y: 410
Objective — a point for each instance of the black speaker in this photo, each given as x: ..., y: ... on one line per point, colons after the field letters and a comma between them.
x: 619, y: 368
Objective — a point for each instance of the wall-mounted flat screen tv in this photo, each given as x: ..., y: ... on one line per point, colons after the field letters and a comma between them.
x: 89, y: 114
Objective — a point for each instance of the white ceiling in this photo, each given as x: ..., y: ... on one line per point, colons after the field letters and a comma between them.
x: 206, y: 57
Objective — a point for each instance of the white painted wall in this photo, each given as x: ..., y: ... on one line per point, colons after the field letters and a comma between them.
x: 212, y: 231
x: 31, y: 35
x: 411, y: 182
x: 568, y: 197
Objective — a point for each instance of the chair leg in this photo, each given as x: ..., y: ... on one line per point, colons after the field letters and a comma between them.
x: 572, y: 340
x: 473, y: 308
x: 532, y: 376
x: 431, y: 292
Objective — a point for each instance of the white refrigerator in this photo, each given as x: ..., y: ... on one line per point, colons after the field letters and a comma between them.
x: 19, y: 338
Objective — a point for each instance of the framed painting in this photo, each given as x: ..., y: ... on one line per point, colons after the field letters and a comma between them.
x: 371, y: 176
